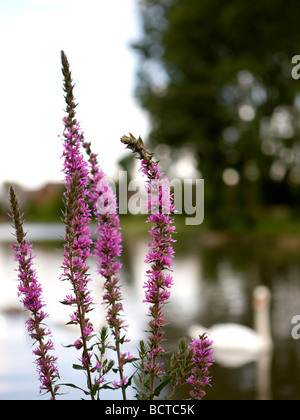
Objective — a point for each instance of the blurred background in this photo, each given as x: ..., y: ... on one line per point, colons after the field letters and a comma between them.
x: 211, y: 87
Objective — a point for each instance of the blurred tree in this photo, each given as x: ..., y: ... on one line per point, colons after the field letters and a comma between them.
x: 217, y: 76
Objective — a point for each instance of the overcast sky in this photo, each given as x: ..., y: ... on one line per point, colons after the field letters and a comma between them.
x: 95, y: 35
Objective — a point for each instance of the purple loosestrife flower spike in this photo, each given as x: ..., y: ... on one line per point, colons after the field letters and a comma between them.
x: 30, y: 293
x: 160, y: 254
x: 202, y: 360
x: 68, y: 89
x: 107, y: 252
x: 77, y: 219
x: 108, y: 245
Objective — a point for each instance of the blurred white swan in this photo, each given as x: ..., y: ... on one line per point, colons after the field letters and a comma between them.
x: 235, y: 344
x: 2, y: 326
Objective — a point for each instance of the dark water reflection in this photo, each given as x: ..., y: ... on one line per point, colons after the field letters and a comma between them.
x: 214, y: 280
x: 215, y: 277
x: 230, y: 270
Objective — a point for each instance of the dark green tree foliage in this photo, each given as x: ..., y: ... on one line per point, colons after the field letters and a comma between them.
x: 216, y: 75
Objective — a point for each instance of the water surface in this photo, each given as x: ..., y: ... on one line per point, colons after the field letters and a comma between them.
x: 214, y: 281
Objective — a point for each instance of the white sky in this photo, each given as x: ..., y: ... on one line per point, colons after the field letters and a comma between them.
x: 95, y: 35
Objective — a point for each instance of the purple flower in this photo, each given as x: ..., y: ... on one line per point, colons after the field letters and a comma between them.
x: 30, y: 294
x: 160, y: 254
x: 77, y: 217
x: 202, y: 360
x: 107, y: 252
x: 77, y: 240
x: 77, y: 235
x: 108, y: 247
x: 90, y: 187
x: 121, y: 383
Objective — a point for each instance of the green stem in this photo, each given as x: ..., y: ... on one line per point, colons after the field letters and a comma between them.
x: 81, y: 324
x: 119, y: 362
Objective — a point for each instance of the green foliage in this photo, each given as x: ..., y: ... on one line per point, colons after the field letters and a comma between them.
x: 216, y: 76
x: 179, y: 365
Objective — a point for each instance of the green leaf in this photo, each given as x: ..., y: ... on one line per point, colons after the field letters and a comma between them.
x: 64, y: 302
x: 78, y: 367
x: 68, y: 346
x: 95, y: 389
x: 107, y: 386
x: 90, y: 337
x: 161, y: 386
x: 77, y: 387
x: 131, y: 360
x: 141, y: 388
x: 183, y: 345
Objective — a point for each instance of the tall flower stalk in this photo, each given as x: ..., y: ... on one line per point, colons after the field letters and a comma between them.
x: 108, y: 250
x: 190, y: 363
x: 108, y: 244
x: 202, y: 360
x: 77, y: 217
x: 160, y: 255
x: 30, y: 294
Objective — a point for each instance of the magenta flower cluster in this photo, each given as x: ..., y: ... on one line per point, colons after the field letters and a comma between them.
x: 159, y: 281
x: 88, y: 195
x: 202, y: 360
x: 30, y: 294
x: 77, y: 236
x: 92, y: 188
x: 107, y: 252
x: 160, y: 255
